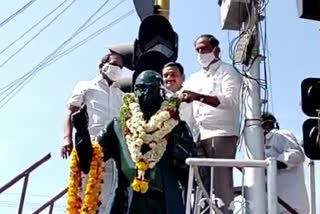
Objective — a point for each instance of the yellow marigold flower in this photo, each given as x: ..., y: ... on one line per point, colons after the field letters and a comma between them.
x: 144, y: 186
x: 93, y: 186
x: 141, y: 165
x: 136, y: 185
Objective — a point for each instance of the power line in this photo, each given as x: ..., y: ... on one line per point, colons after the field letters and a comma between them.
x: 37, y: 34
x: 7, y: 20
x: 20, y: 83
x: 14, y: 87
x: 33, y: 26
x: 75, y: 46
x: 92, y: 36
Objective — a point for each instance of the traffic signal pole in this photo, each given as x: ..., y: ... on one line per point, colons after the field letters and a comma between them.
x: 255, y: 192
x: 312, y: 184
x: 164, y: 6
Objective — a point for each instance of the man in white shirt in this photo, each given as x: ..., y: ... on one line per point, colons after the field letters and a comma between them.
x: 283, y: 146
x: 173, y: 77
x: 102, y: 97
x: 214, y: 91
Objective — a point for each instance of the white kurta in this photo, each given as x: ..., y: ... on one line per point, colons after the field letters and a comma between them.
x: 282, y: 145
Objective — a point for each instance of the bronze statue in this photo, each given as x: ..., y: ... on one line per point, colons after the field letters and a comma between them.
x: 149, y: 143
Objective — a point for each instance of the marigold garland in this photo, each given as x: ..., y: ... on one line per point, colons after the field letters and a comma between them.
x: 91, y: 201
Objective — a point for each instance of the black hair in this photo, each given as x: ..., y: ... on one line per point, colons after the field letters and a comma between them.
x: 212, y: 40
x: 106, y: 59
x: 176, y: 64
x: 270, y: 118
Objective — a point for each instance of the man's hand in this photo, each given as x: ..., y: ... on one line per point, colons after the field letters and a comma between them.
x: 80, y: 119
x: 190, y: 96
x: 66, y: 148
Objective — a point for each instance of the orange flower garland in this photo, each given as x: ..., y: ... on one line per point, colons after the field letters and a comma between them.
x: 93, y: 187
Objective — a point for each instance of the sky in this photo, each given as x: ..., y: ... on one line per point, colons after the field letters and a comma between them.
x: 32, y: 122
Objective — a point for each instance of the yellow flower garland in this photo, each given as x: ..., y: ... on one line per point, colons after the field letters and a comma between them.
x: 93, y: 187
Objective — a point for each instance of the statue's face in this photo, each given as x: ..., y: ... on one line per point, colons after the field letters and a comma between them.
x: 147, y: 93
x: 147, y: 88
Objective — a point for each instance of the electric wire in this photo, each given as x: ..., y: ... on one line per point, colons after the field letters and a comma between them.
x: 17, y: 85
x: 33, y: 26
x: 23, y: 8
x: 30, y: 75
x: 37, y: 34
x: 19, y: 81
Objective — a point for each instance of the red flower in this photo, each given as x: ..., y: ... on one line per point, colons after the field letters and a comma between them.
x: 126, y: 131
x: 173, y: 114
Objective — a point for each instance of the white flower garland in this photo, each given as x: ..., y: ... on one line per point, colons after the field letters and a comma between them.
x: 152, y: 133
x: 138, y: 132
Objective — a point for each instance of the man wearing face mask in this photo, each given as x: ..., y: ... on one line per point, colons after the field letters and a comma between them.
x: 214, y: 92
x: 103, y: 98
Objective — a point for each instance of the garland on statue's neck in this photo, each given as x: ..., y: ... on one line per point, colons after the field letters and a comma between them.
x: 91, y: 202
x: 147, y: 141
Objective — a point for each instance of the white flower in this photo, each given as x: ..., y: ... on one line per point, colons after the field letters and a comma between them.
x: 152, y: 133
x: 139, y: 141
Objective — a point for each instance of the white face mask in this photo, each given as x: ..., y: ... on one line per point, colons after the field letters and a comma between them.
x: 112, y: 72
x: 205, y: 59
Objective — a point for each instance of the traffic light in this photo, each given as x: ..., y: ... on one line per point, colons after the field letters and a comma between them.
x: 157, y: 44
x: 310, y: 93
x: 309, y: 9
x: 311, y: 138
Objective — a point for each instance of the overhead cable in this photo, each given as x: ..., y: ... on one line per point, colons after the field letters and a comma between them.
x: 10, y: 90
x: 33, y: 26
x: 37, y: 34
x: 7, y: 20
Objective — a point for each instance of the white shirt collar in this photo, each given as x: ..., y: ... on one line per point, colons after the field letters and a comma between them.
x: 270, y: 133
x: 213, y: 67
x: 100, y: 80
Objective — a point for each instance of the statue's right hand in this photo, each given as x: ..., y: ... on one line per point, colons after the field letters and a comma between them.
x: 66, y: 148
x: 80, y: 119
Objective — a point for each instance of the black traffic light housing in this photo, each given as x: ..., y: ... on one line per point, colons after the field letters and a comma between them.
x: 311, y: 138
x: 309, y: 9
x: 157, y: 44
x: 310, y: 94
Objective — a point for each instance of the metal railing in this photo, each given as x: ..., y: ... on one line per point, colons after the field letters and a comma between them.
x: 194, y: 163
x: 312, y: 194
x: 25, y: 174
x: 50, y: 203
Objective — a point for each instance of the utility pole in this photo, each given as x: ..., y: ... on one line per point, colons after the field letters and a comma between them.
x: 164, y: 6
x: 255, y: 192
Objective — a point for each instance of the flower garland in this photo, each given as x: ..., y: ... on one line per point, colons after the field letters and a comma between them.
x: 140, y: 135
x: 93, y: 187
